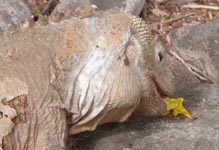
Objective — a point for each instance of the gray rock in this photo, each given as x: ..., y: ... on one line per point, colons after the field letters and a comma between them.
x: 139, y: 133
x: 13, y: 11
x: 130, y: 6
x: 198, y: 46
x: 182, y: 76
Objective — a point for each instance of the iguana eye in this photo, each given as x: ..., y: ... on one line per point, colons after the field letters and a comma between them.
x: 159, y: 53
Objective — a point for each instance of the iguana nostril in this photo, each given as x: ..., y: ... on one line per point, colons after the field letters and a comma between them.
x: 126, y: 61
x: 160, y: 56
x: 1, y: 114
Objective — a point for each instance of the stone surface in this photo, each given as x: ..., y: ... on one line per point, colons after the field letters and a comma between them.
x: 139, y: 133
x: 130, y: 6
x: 182, y: 76
x: 13, y: 11
x: 198, y: 46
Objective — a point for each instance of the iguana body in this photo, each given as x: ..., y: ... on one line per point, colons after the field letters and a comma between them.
x: 82, y: 73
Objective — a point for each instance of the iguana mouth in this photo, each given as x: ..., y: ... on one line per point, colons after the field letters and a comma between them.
x: 161, y: 92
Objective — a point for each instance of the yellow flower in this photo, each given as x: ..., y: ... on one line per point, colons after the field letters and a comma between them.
x: 175, y: 105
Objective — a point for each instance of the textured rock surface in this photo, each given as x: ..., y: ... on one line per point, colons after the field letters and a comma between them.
x: 198, y: 46
x: 131, y: 6
x: 13, y: 11
x: 182, y: 76
x: 139, y: 133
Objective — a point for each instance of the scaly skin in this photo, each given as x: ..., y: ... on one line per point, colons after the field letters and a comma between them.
x: 80, y: 73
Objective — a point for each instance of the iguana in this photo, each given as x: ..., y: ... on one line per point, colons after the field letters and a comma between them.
x: 77, y: 73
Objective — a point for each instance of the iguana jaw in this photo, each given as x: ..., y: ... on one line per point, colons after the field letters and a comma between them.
x: 165, y: 89
x: 161, y: 92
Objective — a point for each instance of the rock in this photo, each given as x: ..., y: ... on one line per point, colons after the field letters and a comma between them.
x: 13, y: 11
x: 139, y: 133
x: 182, y: 76
x: 198, y: 46
x: 130, y: 6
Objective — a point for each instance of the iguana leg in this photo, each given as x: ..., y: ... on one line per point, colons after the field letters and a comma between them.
x: 45, y: 129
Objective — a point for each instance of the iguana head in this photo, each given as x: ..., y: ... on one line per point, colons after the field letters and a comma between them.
x: 157, y: 78
x: 161, y: 73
